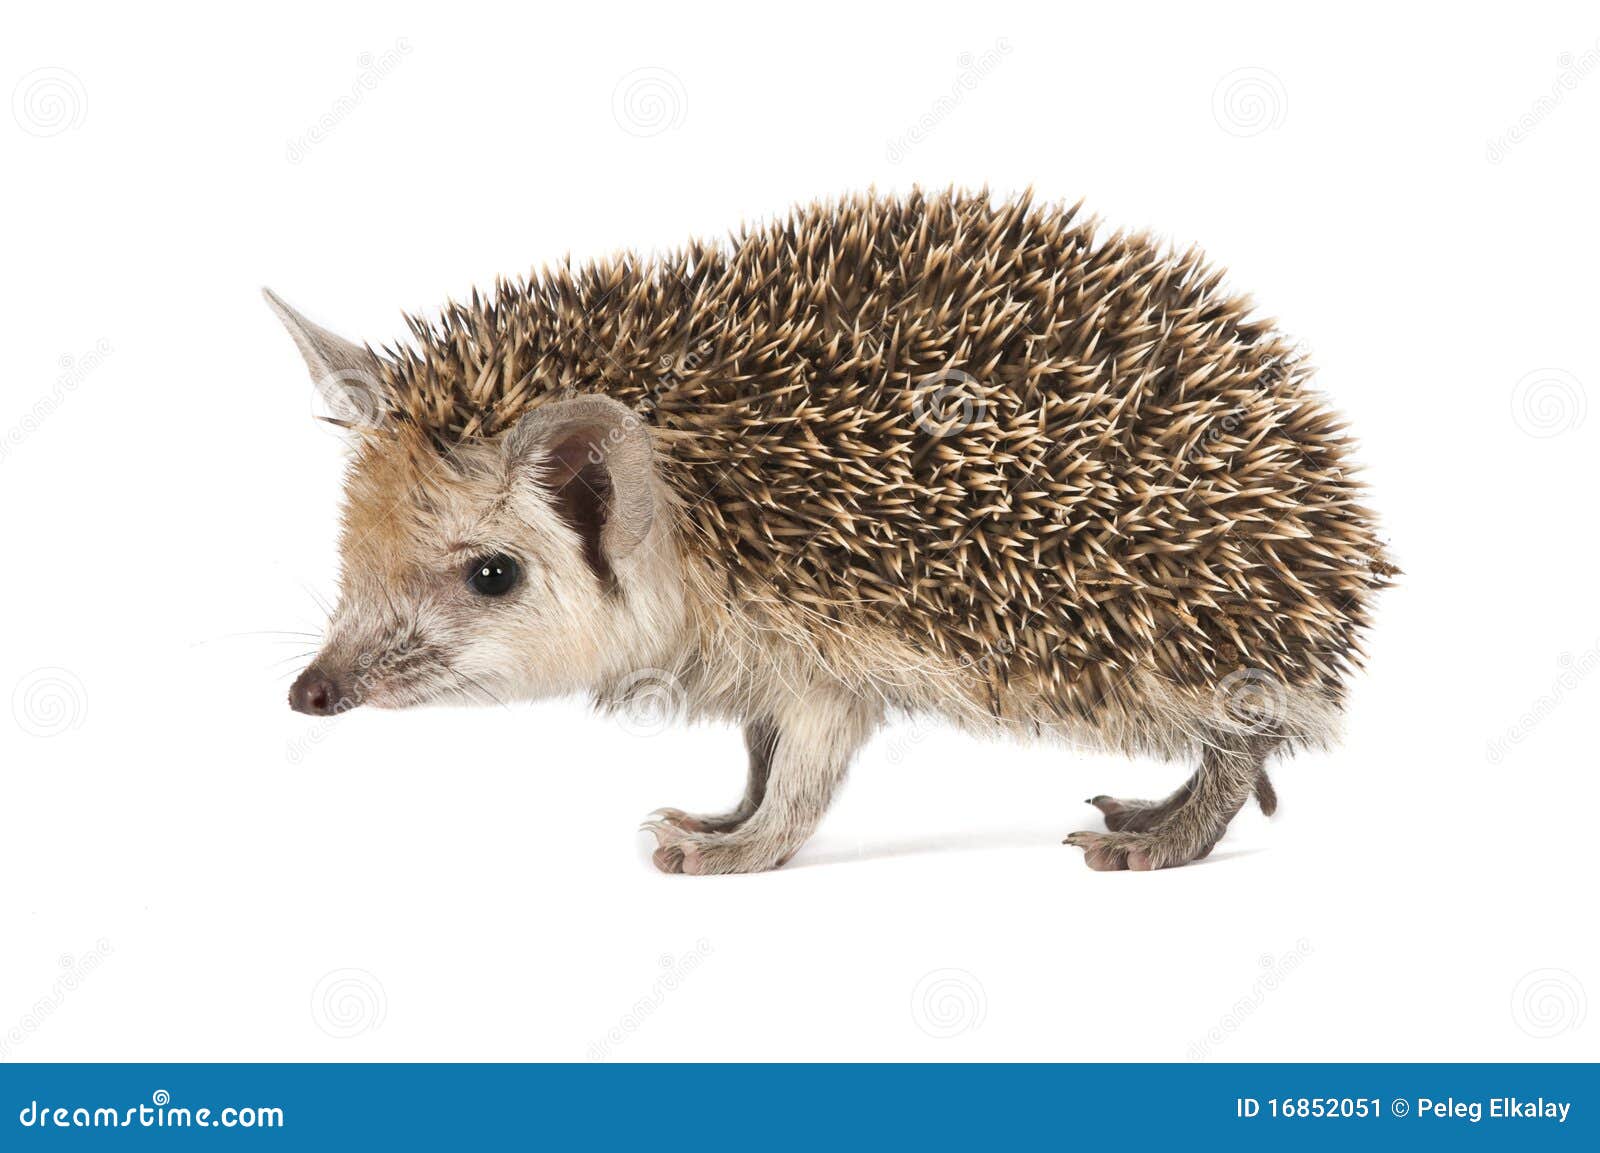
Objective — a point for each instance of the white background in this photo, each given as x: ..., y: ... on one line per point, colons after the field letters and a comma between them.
x: 188, y: 870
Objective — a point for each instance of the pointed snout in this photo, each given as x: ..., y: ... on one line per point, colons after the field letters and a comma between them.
x: 317, y: 693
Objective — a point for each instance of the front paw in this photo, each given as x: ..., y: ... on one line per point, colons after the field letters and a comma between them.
x: 680, y: 849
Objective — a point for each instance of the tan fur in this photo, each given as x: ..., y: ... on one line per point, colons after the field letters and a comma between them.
x: 1143, y: 503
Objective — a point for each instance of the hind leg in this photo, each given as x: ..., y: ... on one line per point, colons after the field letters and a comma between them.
x: 1189, y: 823
x: 1142, y: 816
x: 761, y: 739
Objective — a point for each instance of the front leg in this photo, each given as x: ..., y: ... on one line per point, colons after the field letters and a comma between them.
x: 760, y: 740
x: 815, y: 737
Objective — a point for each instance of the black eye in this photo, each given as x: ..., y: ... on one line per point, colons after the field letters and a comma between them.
x: 494, y: 576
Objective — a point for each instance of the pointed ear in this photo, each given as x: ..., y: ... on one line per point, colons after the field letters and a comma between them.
x: 597, y: 460
x: 347, y: 376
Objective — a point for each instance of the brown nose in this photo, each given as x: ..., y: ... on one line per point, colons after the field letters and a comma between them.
x: 316, y: 693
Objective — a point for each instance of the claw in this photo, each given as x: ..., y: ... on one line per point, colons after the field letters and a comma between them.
x: 664, y: 831
x: 675, y: 852
x: 681, y: 819
x: 1130, y: 816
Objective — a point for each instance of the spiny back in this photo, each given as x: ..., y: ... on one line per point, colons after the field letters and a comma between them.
x: 1024, y: 443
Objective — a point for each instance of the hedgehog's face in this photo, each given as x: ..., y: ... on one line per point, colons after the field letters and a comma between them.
x: 525, y: 567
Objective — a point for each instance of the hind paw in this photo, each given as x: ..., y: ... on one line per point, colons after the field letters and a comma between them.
x: 1140, y: 852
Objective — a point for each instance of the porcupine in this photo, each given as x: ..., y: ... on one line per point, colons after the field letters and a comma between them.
x: 931, y: 455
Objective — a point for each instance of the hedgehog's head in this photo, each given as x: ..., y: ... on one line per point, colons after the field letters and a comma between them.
x: 530, y: 564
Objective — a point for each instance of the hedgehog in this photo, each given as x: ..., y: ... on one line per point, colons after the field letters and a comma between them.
x: 940, y: 455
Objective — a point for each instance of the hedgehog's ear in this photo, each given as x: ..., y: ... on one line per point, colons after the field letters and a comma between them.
x: 595, y: 457
x: 347, y: 376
